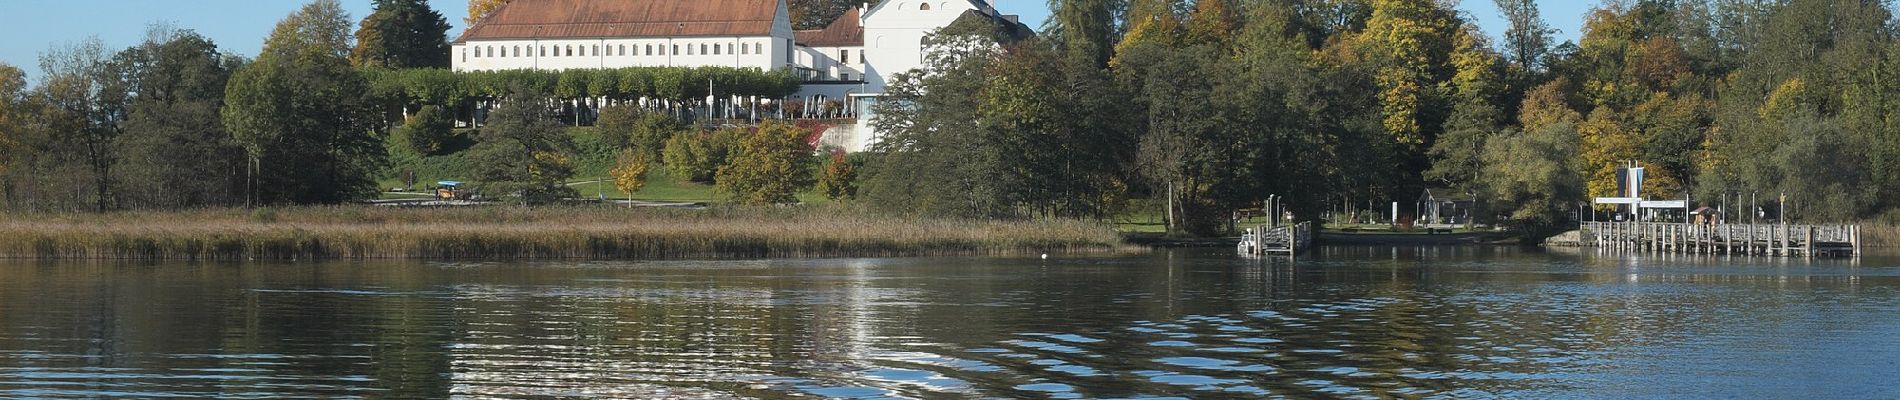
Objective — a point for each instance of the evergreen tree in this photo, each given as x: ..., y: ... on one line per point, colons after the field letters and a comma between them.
x: 402, y: 34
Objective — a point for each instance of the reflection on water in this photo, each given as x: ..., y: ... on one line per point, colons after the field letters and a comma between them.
x: 1355, y: 322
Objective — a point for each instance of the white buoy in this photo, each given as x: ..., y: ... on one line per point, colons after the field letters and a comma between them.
x: 1045, y: 256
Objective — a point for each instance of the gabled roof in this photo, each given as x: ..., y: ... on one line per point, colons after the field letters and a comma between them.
x: 846, y: 31
x: 561, y: 19
x: 979, y: 5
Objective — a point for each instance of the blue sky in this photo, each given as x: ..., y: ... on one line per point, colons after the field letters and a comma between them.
x: 239, y: 26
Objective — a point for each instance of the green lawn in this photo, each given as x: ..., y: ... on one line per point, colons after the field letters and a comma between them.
x: 660, y: 187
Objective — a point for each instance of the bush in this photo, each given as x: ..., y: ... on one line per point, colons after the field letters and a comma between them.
x: 685, y: 157
x: 426, y: 133
x: 840, y: 181
x: 697, y: 157
x: 628, y: 127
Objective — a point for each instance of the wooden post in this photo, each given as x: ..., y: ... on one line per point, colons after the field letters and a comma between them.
x: 1854, y: 238
x: 1810, y: 241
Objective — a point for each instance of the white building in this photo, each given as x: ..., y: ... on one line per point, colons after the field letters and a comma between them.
x: 847, y: 62
x: 593, y: 34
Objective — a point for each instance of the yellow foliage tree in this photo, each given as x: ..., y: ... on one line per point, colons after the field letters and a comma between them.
x: 1161, y: 28
x: 1607, y: 144
x: 1476, y: 73
x: 478, y: 9
x: 1791, y: 97
x: 1404, y: 38
x: 630, y: 172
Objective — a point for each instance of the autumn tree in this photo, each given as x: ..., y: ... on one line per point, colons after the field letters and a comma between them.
x: 840, y: 179
x: 769, y: 167
x: 630, y: 171
x: 479, y: 9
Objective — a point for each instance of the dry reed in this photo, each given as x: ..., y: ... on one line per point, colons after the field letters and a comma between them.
x: 362, y: 232
x: 1880, y: 234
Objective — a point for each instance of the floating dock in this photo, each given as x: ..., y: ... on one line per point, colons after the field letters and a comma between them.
x: 1277, y: 240
x: 1779, y: 240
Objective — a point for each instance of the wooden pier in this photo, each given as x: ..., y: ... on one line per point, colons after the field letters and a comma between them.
x: 1277, y: 240
x: 1780, y: 240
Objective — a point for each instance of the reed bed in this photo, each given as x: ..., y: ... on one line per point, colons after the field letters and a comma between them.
x: 488, y: 233
x: 1880, y: 234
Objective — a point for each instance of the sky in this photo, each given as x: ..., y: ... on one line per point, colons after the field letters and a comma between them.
x: 239, y: 26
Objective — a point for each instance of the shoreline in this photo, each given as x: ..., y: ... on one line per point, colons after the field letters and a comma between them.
x: 553, y: 233
x: 1346, y: 239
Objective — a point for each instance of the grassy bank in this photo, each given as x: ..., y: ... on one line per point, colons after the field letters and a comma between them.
x: 362, y: 232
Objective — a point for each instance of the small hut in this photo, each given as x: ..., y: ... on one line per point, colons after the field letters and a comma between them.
x: 1705, y: 216
x: 1435, y: 210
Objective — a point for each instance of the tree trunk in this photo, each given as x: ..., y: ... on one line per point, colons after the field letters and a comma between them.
x: 1169, y: 226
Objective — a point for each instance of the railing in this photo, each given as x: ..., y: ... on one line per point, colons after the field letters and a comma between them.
x: 1754, y: 239
x: 1282, y: 239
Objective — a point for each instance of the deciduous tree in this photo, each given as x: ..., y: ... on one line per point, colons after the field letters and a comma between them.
x: 769, y: 167
x: 479, y: 9
x: 524, y: 155
x: 630, y: 171
x: 302, y: 115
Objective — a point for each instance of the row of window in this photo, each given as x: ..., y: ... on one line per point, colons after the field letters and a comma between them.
x: 622, y: 50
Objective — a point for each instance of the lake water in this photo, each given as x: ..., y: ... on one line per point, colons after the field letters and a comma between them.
x: 1344, y: 322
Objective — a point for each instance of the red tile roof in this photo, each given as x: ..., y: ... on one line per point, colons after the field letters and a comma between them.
x: 562, y: 19
x: 846, y: 31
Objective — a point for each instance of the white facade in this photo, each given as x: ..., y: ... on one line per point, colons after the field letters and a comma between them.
x: 894, y: 33
x: 773, y: 50
x: 833, y: 63
x: 762, y: 52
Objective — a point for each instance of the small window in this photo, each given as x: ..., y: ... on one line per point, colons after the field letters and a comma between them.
x: 729, y: 49
x: 844, y: 76
x: 649, y: 50
x: 844, y: 56
x: 715, y: 49
x: 702, y: 49
x: 676, y: 49
x: 924, y: 6
x: 623, y: 50
x: 596, y: 51
x: 478, y: 52
x: 517, y: 51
